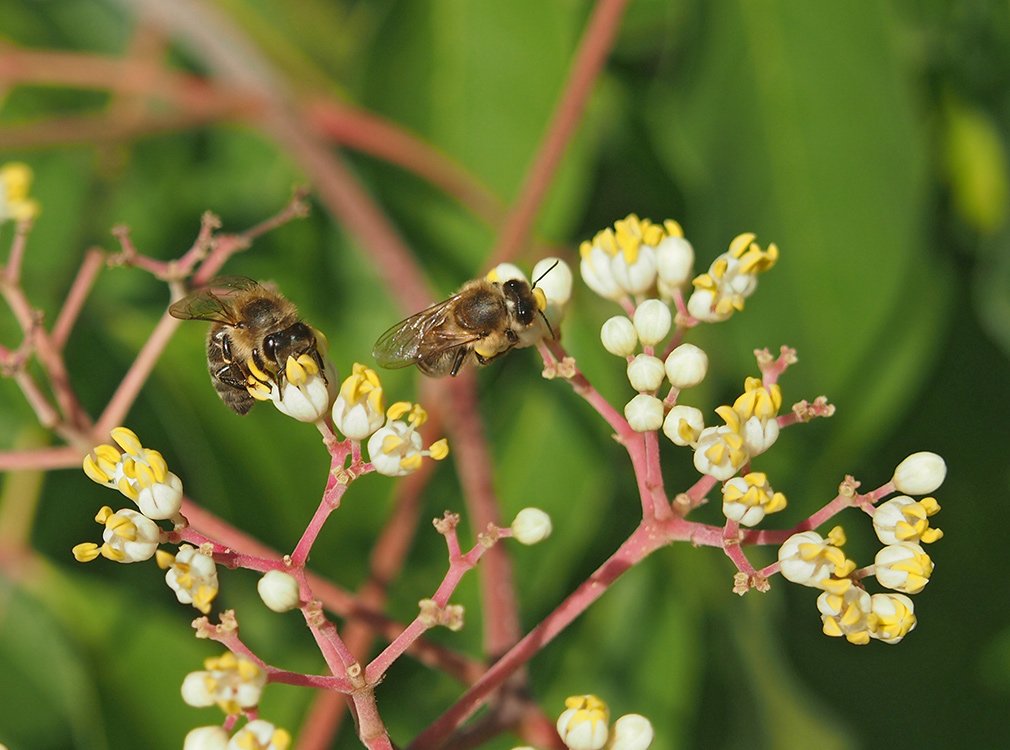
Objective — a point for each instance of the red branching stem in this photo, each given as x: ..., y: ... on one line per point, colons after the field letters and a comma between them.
x: 643, y: 541
x: 92, y: 264
x: 12, y: 270
x: 129, y: 388
x: 336, y: 486
x: 588, y: 61
x: 323, y: 682
x: 43, y: 459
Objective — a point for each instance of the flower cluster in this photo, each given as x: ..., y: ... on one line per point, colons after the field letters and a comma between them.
x: 233, y: 683
x: 192, y: 575
x: 15, y: 181
x: 585, y: 725
x: 256, y: 735
x: 901, y: 523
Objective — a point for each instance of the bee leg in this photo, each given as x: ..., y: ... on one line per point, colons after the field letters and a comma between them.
x: 458, y: 362
x: 230, y: 375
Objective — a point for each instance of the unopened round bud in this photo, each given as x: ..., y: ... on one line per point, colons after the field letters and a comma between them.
x: 631, y: 732
x: 674, y: 261
x: 531, y: 525
x: 618, y: 336
x: 646, y: 372
x: 644, y: 413
x: 206, y: 738
x: 920, y: 474
x: 554, y: 276
x: 652, y: 321
x: 686, y: 366
x: 279, y: 590
x: 683, y: 424
x: 504, y: 272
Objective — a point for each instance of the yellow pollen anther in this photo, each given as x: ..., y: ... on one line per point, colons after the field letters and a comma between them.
x: 203, y: 597
x: 837, y: 587
x: 164, y: 559
x: 439, y: 449
x: 157, y: 463
x: 122, y: 527
x: 144, y: 475
x: 390, y: 443
x: 740, y: 243
x: 85, y: 552
x: 673, y: 228
x: 127, y: 440
x: 295, y: 373
x: 247, y: 670
x: 308, y: 364
x: 541, y: 298
x: 129, y: 467
x: 418, y: 416
x: 93, y: 472
x: 111, y: 553
x: 836, y: 536
x: 411, y: 462
x: 259, y: 391
x: 127, y: 489
x: 398, y: 409
x: 256, y: 372
x: 104, y: 514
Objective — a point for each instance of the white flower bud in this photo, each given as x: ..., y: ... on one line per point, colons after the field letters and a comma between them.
x: 652, y: 321
x: 683, y: 424
x: 807, y: 559
x: 920, y: 474
x: 674, y: 261
x: 206, y: 738
x: 358, y: 410
x: 555, y: 280
x: 279, y: 591
x: 595, y: 269
x: 505, y: 272
x: 192, y: 575
x: 644, y: 413
x: 895, y: 617
x: 306, y: 402
x: 719, y: 452
x: 196, y: 691
x: 161, y: 500
x: 618, y: 336
x: 902, y: 519
x: 645, y: 372
x: 531, y: 525
x: 903, y: 567
x: 584, y: 724
x: 846, y: 614
x: 631, y: 732
x: 686, y: 366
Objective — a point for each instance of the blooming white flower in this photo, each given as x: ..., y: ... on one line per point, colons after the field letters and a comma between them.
x: 129, y: 537
x: 652, y: 321
x: 531, y: 525
x: 260, y: 735
x: 903, y: 567
x: 719, y: 452
x: 749, y: 498
x: 358, y: 410
x: 584, y: 723
x: 808, y: 559
x: 631, y: 732
x: 893, y: 617
x: 644, y: 413
x: 233, y: 683
x: 396, y: 449
x: 920, y: 474
x: 846, y: 614
x: 279, y: 591
x: 206, y: 738
x: 645, y: 373
x: 686, y: 366
x: 731, y: 278
x: 15, y: 181
x: 139, y: 473
x: 191, y: 574
x: 619, y: 336
x: 595, y: 269
x: 902, y: 519
x: 683, y: 424
x: 757, y: 408
x: 304, y: 394
x: 623, y: 260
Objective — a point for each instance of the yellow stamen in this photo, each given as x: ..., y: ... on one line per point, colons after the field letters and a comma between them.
x: 740, y: 243
x: 127, y: 489
x: 256, y: 372
x: 85, y: 552
x: 673, y: 228
x: 111, y: 553
x: 836, y: 536
x: 439, y: 449
x: 390, y: 443
x: 127, y: 440
x: 157, y: 463
x: 398, y: 409
x: 411, y: 462
x: 295, y: 372
x: 103, y: 515
x: 121, y: 527
x: 541, y: 298
x: 94, y: 473
x: 164, y: 559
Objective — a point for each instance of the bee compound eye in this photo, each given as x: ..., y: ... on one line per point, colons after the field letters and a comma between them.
x: 271, y: 346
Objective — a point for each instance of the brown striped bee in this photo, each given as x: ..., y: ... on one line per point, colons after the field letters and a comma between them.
x: 254, y: 331
x: 482, y: 321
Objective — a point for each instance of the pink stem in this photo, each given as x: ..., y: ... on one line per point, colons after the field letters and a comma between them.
x: 86, y: 274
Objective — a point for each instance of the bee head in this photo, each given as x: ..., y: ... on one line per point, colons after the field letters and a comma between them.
x: 522, y: 300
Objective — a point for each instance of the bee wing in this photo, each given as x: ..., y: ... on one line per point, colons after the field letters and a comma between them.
x: 419, y: 336
x: 206, y: 304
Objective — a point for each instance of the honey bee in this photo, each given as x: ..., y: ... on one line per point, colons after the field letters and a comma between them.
x: 254, y: 331
x: 479, y: 323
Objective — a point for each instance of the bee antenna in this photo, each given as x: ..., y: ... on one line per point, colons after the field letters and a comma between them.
x: 547, y: 322
x: 553, y: 266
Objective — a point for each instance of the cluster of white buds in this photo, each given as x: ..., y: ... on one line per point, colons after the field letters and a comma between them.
x: 142, y: 475
x: 192, y: 575
x: 730, y: 280
x: 233, y: 683
x: 635, y: 258
x: 585, y: 725
x: 255, y: 735
x: 139, y: 473
x: 846, y: 608
x: 15, y: 181
x: 552, y: 290
x: 305, y: 392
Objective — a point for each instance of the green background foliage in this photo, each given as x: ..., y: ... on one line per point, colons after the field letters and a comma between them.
x: 867, y: 139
